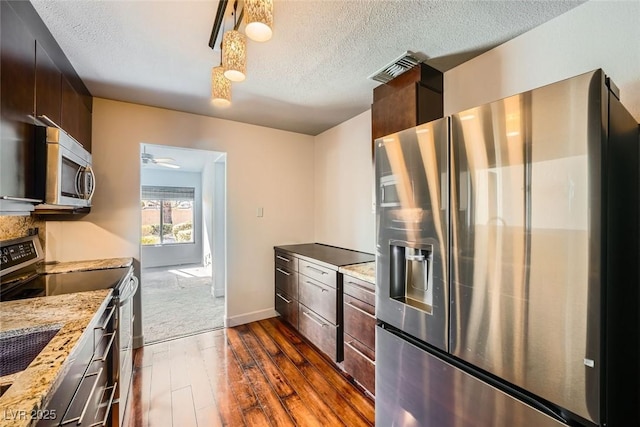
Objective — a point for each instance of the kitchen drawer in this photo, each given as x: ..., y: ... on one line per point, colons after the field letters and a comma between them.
x: 360, y: 289
x: 287, y: 260
x: 287, y: 280
x: 320, y: 332
x: 317, y: 272
x: 319, y: 297
x: 287, y: 306
x: 359, y: 362
x: 360, y: 321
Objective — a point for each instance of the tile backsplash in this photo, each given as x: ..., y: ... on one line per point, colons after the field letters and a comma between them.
x: 12, y: 227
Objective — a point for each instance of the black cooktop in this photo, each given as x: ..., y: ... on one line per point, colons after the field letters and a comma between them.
x: 40, y: 285
x: 20, y: 261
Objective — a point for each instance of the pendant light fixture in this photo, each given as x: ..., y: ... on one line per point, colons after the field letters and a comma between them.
x: 234, y: 51
x: 220, y: 88
x: 259, y: 15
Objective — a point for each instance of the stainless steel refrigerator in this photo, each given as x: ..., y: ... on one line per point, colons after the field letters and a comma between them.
x: 507, y: 264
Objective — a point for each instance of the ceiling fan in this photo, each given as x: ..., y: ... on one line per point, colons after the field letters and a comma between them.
x: 167, y: 162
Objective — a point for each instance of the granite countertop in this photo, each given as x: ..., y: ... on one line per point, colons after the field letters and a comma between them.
x: 73, y: 314
x: 97, y: 264
x: 365, y: 271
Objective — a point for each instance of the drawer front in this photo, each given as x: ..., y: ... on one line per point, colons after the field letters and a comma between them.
x: 319, y: 297
x: 318, y: 272
x: 360, y: 289
x: 287, y: 280
x: 360, y: 321
x: 287, y: 260
x: 359, y: 362
x: 319, y: 331
x: 287, y: 306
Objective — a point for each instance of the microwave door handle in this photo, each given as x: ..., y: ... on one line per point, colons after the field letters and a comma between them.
x: 92, y: 175
x: 79, y: 175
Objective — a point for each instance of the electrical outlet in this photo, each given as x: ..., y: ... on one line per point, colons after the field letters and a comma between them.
x: 260, y: 212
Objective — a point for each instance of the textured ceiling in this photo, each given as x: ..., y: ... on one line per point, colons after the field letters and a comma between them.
x: 311, y: 76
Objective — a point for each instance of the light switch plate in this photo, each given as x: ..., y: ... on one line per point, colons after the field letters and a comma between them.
x: 260, y: 212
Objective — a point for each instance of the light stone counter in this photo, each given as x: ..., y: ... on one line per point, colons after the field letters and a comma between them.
x: 97, y: 264
x: 365, y: 271
x: 73, y: 313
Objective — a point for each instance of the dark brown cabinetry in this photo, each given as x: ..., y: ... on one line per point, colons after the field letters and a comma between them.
x: 308, y: 292
x: 38, y: 79
x: 48, y: 86
x: 412, y: 98
x: 286, y: 297
x: 360, y: 331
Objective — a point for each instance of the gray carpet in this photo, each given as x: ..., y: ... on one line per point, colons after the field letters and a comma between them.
x: 177, y: 302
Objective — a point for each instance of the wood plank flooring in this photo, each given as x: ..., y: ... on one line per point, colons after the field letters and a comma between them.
x: 259, y: 374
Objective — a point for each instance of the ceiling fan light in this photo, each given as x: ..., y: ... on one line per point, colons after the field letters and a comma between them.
x: 234, y: 55
x: 259, y: 16
x: 220, y: 88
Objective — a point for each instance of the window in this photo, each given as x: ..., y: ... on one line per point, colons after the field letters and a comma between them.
x: 167, y: 215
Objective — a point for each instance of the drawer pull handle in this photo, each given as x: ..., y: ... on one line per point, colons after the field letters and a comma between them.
x: 283, y: 298
x: 317, y: 286
x: 316, y: 270
x: 283, y: 272
x: 108, y: 349
x: 86, y: 404
x: 283, y: 258
x: 322, y: 325
x: 108, y: 319
x: 360, y: 353
x: 360, y: 310
x: 107, y: 411
x: 361, y: 287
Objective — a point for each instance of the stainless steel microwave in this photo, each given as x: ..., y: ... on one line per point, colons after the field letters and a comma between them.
x: 64, y: 177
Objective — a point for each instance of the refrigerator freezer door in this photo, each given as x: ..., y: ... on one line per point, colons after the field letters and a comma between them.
x: 412, y: 247
x: 423, y: 390
x: 526, y: 246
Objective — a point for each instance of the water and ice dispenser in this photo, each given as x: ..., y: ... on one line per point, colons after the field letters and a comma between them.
x: 412, y: 274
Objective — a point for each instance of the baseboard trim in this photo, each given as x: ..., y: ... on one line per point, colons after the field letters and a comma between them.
x: 241, y: 319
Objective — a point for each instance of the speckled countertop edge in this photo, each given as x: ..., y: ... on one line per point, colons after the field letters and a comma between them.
x: 74, y: 313
x: 96, y: 264
x: 365, y: 271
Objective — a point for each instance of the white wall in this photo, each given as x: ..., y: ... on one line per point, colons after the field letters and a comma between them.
x: 189, y: 253
x: 343, y: 185
x: 266, y: 168
x: 596, y: 34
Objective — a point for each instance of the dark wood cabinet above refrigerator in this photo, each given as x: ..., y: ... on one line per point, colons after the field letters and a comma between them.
x: 412, y: 98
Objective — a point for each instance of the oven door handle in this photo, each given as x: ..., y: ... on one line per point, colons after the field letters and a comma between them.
x: 134, y: 288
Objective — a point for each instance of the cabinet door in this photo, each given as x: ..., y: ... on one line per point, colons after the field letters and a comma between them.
x: 76, y: 114
x: 48, y: 86
x: 17, y: 61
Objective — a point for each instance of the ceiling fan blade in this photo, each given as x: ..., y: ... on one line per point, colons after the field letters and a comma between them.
x: 164, y: 160
x: 169, y: 165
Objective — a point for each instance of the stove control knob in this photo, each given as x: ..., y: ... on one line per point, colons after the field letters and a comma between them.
x: 5, y: 251
x: 4, y: 259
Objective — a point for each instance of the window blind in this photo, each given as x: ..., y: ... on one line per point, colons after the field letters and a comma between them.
x: 150, y: 192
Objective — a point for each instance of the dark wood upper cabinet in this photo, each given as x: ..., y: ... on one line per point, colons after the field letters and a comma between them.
x: 412, y: 98
x: 48, y: 86
x: 75, y: 116
x: 18, y: 69
x: 38, y: 79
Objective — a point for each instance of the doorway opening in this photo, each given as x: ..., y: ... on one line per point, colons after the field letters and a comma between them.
x: 182, y: 241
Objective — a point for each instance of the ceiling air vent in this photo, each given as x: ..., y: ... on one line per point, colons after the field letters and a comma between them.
x: 401, y: 64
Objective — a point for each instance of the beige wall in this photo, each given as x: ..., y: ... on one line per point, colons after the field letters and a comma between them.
x: 344, y: 185
x: 596, y: 34
x: 266, y: 168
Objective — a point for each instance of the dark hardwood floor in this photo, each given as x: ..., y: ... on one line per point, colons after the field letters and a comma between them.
x: 259, y: 374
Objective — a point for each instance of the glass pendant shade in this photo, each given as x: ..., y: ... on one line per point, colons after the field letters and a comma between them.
x: 259, y: 15
x: 220, y: 88
x: 234, y: 55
